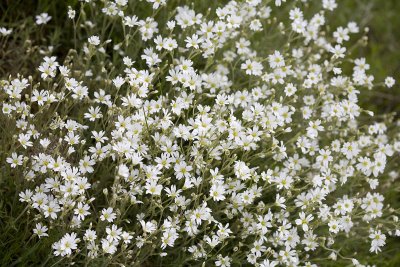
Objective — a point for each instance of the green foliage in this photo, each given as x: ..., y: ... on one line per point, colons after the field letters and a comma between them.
x: 22, y: 54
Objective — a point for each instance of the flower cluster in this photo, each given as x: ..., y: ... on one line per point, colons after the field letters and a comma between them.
x: 200, y: 143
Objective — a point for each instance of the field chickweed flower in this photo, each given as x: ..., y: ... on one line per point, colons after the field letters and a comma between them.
x: 175, y: 137
x: 43, y: 18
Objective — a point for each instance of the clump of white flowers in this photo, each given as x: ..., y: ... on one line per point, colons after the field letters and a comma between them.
x: 199, y: 148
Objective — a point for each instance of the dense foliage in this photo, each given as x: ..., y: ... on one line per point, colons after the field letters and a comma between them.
x: 172, y: 133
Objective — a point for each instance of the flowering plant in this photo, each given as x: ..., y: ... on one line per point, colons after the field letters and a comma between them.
x: 177, y: 138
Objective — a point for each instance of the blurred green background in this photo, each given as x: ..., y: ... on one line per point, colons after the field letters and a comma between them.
x: 382, y: 17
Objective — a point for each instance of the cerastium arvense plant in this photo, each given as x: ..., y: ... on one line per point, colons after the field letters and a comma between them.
x: 228, y: 138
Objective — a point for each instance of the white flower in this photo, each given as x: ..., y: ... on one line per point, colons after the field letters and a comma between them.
x: 131, y: 21
x: 329, y: 4
x: 217, y: 192
x: 71, y: 13
x: 94, y: 40
x: 40, y: 230
x: 276, y: 60
x: 4, y: 31
x: 43, y: 18
x: 389, y: 82
x: 153, y: 188
x: 378, y: 241
x: 118, y: 82
x: 108, y: 215
x: 114, y: 233
x: 223, y: 261
x: 268, y: 263
x: 157, y: 3
x: 337, y: 51
x: 314, y: 128
x: 93, y: 114
x: 304, y: 221
x: 334, y: 226
x: 252, y: 67
x: 85, y: 164
x: 15, y: 160
x: 66, y: 245
x: 108, y: 246
x: 279, y: 2
x: 81, y: 210
x: 290, y: 89
x: 148, y: 227
x: 193, y: 41
x: 341, y: 34
x: 182, y: 170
